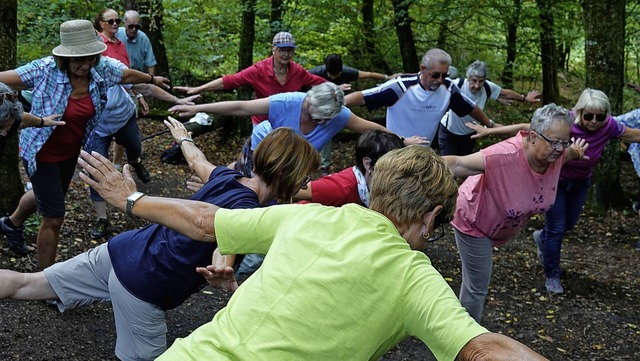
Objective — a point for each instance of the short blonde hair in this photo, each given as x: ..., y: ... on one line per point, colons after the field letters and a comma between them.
x: 282, y: 160
x: 411, y: 181
x: 593, y: 99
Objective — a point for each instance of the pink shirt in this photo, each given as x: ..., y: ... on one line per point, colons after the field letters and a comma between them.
x: 116, y: 50
x: 261, y: 77
x: 498, y: 203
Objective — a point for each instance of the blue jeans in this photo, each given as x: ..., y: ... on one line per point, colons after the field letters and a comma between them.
x: 128, y: 136
x: 561, y: 218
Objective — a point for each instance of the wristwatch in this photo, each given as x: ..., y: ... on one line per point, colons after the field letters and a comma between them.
x: 131, y: 200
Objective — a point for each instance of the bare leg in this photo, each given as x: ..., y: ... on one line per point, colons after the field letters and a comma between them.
x: 118, y: 153
x: 25, y: 286
x: 48, y: 237
x: 26, y: 207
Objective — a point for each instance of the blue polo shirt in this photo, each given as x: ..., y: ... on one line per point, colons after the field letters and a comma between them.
x: 139, y: 50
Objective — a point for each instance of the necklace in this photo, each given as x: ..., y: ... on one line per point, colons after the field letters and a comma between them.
x: 281, y: 72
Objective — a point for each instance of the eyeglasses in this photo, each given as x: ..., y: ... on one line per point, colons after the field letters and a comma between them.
x: 287, y: 51
x: 111, y: 21
x: 134, y: 26
x: 556, y: 144
x: 437, y: 75
x: 12, y: 97
x: 441, y: 219
x: 599, y: 117
x: 306, y: 181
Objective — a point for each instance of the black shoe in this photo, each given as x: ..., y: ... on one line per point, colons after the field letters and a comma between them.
x: 173, y: 155
x: 141, y: 171
x: 100, y: 228
x: 15, y: 237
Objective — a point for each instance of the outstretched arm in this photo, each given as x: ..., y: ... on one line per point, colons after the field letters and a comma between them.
x: 30, y: 120
x: 505, y: 130
x: 190, y: 218
x: 132, y: 76
x: 234, y: 107
x: 213, y: 85
x: 12, y: 79
x: 150, y: 90
x: 360, y: 125
x: 510, y: 95
x: 464, y: 166
x: 577, y: 149
x: 494, y: 346
x: 194, y: 156
x: 355, y: 98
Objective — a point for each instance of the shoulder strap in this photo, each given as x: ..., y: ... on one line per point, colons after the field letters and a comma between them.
x: 487, y: 89
x: 460, y: 82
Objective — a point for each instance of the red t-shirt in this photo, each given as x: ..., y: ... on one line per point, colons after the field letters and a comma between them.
x: 261, y: 77
x: 116, y: 50
x: 336, y: 189
x: 66, y: 140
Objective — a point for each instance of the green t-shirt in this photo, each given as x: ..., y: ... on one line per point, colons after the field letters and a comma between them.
x: 337, y: 284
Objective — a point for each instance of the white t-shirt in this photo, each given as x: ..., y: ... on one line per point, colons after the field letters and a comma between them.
x: 453, y: 122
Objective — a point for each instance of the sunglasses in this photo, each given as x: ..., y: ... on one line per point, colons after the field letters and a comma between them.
x: 599, y: 117
x: 134, y: 26
x: 441, y: 219
x: 437, y: 75
x: 12, y: 97
x: 306, y: 180
x: 557, y: 144
x: 111, y: 21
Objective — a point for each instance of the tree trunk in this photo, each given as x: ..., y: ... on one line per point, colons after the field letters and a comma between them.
x: 151, y: 18
x: 550, y: 91
x: 10, y: 183
x: 512, y: 42
x: 604, y: 55
x: 370, y: 50
x: 245, y: 53
x: 276, y: 16
x: 402, y: 22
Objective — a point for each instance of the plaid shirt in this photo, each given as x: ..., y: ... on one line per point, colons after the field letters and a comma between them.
x: 51, y: 91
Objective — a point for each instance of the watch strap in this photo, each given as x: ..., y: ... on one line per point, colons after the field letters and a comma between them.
x: 131, y: 201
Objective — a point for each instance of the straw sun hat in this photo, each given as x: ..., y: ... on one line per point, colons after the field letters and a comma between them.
x: 78, y: 38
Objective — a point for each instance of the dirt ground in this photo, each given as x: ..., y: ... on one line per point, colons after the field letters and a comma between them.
x: 598, y: 318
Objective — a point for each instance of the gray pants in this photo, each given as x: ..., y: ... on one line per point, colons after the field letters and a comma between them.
x: 476, y: 255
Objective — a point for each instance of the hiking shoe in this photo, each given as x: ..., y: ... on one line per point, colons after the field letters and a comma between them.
x: 537, y: 238
x: 553, y: 285
x: 173, y: 155
x: 100, y: 228
x: 141, y: 171
x: 15, y: 237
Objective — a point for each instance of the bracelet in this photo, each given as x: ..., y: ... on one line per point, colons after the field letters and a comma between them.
x: 151, y: 81
x: 524, y: 98
x: 491, y: 123
x: 41, y: 122
x: 386, y: 77
x: 138, y: 96
x: 185, y: 139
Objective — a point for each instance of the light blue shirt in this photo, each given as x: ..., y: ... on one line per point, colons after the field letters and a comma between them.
x: 139, y: 50
x: 284, y: 111
x: 119, y: 108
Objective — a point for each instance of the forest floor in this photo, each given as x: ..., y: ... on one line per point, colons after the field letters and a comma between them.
x: 598, y: 317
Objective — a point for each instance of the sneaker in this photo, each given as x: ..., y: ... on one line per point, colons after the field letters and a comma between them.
x: 553, y: 285
x: 15, y: 237
x: 100, y: 228
x: 173, y: 155
x: 537, y: 238
x: 141, y: 171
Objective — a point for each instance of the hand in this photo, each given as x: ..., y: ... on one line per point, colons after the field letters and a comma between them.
x: 481, y: 131
x: 219, y: 277
x: 51, y: 120
x: 345, y: 87
x: 145, y: 106
x: 532, y: 97
x: 162, y: 82
x: 183, y: 110
x: 188, y: 100
x: 194, y: 183
x: 177, y: 129
x: 579, y: 146
x: 416, y: 140
x: 112, y: 185
x: 187, y: 89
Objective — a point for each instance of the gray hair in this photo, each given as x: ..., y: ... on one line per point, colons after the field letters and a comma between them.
x: 131, y: 14
x: 326, y: 99
x: 544, y: 117
x: 592, y: 99
x: 435, y: 55
x: 9, y: 109
x: 478, y: 69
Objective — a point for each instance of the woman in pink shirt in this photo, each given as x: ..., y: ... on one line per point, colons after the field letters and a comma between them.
x: 507, y: 183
